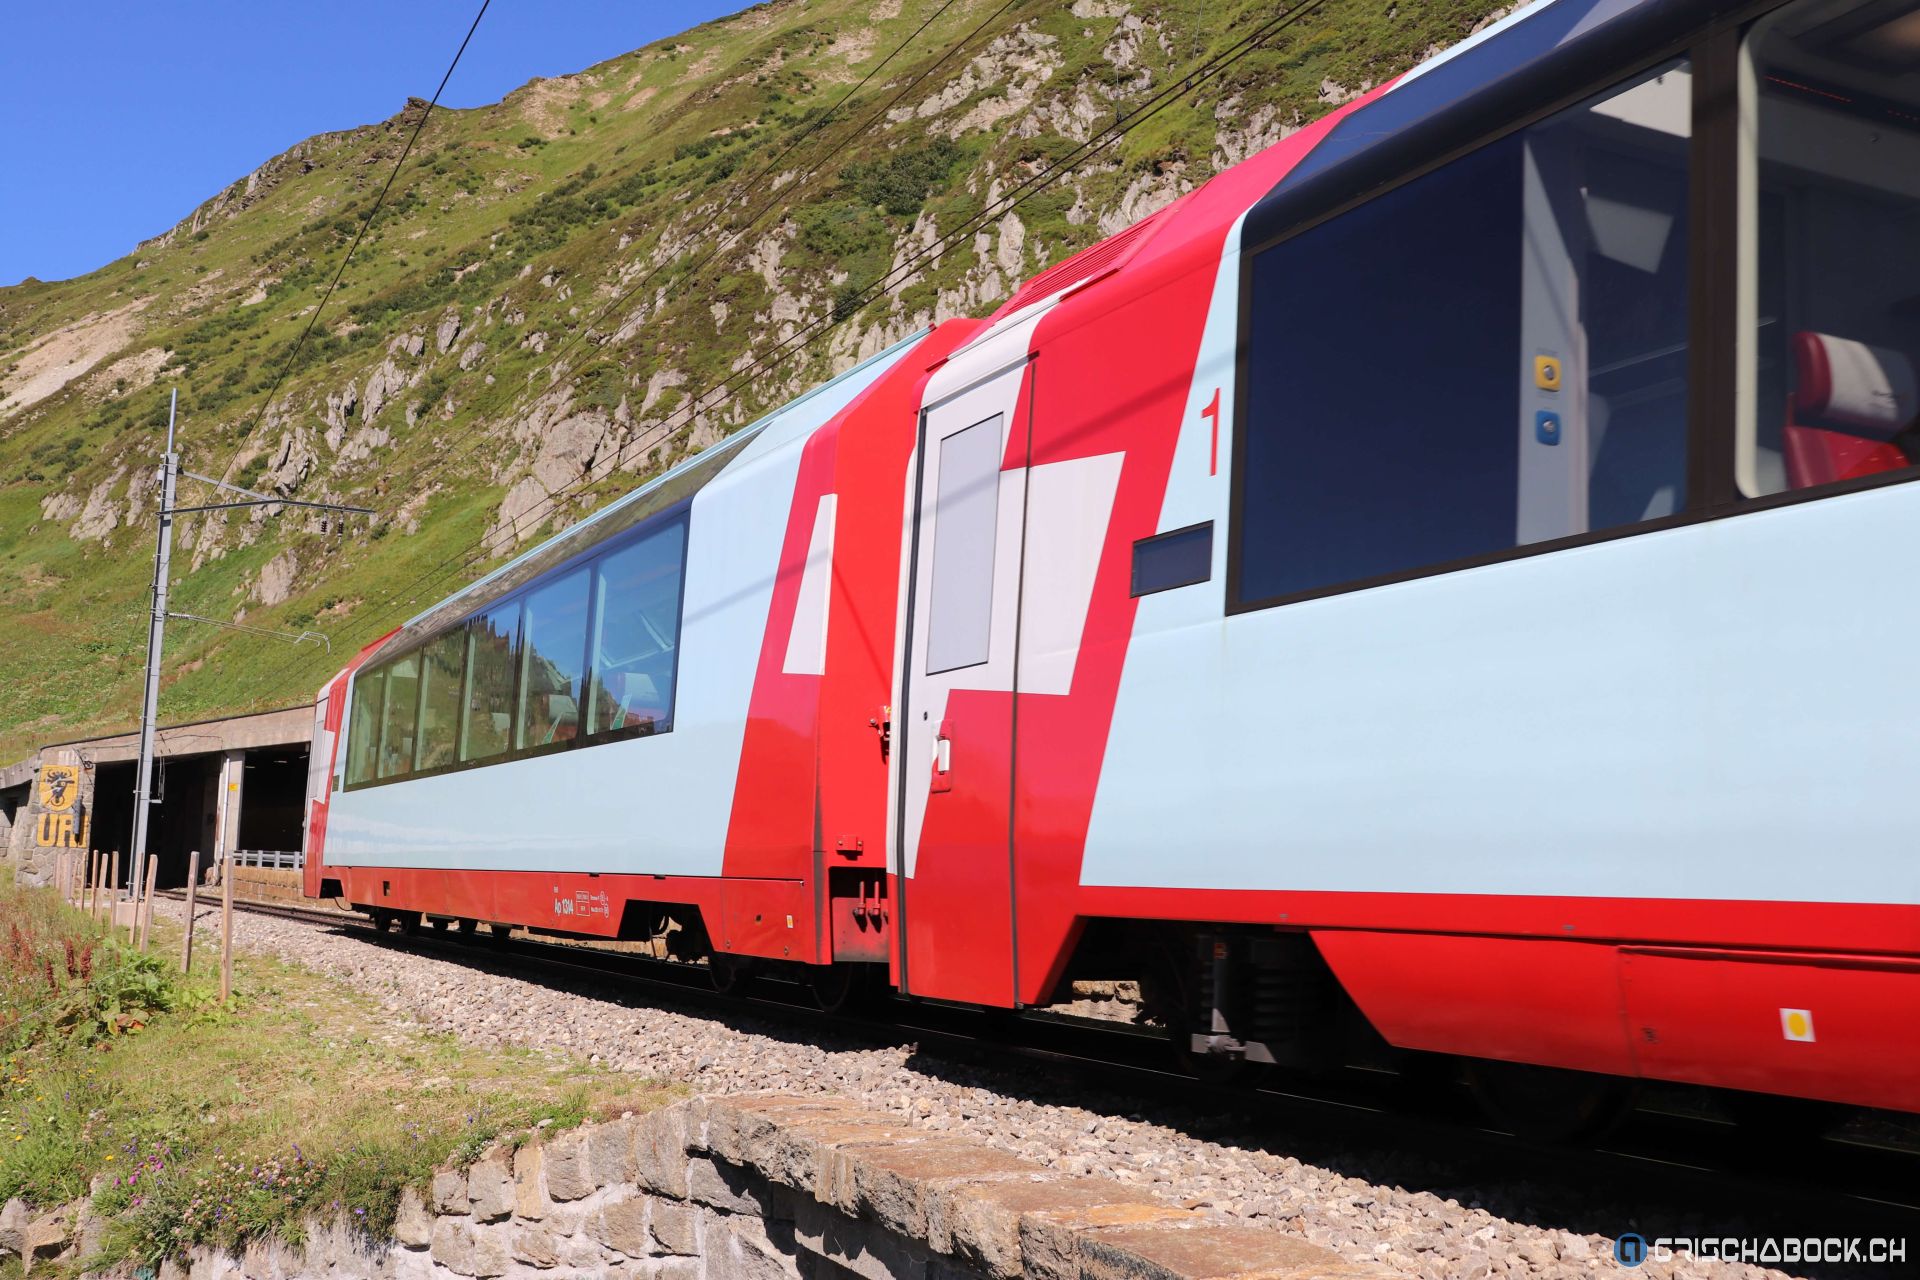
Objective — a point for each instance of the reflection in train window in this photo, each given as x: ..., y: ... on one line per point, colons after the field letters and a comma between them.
x: 1491, y: 355
x: 398, y: 722
x: 444, y: 663
x: 553, y: 662
x: 1829, y: 286
x: 363, y: 727
x: 493, y: 663
x: 637, y: 612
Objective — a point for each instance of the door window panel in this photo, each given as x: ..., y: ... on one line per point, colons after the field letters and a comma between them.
x: 636, y: 648
x: 444, y: 663
x: 554, y: 662
x: 965, y: 517
x: 1830, y: 245
x: 493, y: 664
x: 1491, y: 355
x: 400, y: 718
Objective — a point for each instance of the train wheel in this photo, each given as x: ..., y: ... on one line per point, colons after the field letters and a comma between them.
x: 727, y: 973
x: 839, y: 988
x: 1548, y: 1104
x: 1771, y: 1122
x: 409, y: 923
x: 380, y: 919
x: 469, y: 930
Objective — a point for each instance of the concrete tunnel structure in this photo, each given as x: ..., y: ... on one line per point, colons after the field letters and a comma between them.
x: 235, y: 785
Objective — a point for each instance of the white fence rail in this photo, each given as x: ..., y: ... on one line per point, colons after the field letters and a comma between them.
x: 272, y: 859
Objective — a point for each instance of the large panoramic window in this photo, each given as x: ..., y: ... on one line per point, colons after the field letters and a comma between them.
x: 493, y: 661
x: 637, y: 634
x: 1829, y: 283
x: 1489, y: 356
x: 363, y: 726
x: 398, y: 723
x: 443, y: 664
x: 554, y: 664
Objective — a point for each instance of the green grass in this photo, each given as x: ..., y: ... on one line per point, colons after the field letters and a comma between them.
x: 649, y: 148
x: 203, y: 1123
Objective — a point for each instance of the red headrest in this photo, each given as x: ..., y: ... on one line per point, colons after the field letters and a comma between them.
x: 1870, y: 391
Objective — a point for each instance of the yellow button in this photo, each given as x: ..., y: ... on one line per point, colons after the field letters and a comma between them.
x: 1546, y: 373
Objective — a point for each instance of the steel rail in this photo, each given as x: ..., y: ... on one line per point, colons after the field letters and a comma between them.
x: 1691, y: 1167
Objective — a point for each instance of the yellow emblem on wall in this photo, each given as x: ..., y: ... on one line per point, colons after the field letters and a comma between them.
x: 59, y: 786
x: 60, y: 827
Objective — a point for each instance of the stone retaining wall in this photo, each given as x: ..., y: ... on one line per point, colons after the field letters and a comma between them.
x: 793, y: 1188
x: 266, y: 884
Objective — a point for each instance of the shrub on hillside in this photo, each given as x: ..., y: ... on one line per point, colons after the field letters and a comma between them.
x: 59, y: 978
x: 901, y: 182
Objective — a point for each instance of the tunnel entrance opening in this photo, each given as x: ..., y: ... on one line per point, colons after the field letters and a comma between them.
x: 187, y: 788
x: 111, y: 826
x: 273, y: 800
x: 265, y: 789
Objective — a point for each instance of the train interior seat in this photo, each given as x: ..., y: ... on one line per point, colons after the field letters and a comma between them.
x: 1849, y: 402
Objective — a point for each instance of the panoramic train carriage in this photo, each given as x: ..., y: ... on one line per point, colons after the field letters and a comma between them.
x: 1440, y: 584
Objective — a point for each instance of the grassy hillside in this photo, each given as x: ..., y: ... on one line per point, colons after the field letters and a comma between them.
x: 551, y: 303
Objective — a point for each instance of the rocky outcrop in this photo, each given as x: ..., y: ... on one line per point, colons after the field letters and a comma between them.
x: 382, y: 385
x: 277, y: 578
x: 100, y: 515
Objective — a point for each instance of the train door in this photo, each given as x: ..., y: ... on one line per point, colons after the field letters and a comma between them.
x: 954, y: 769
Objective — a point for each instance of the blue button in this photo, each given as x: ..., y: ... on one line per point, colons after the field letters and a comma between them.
x: 1546, y: 427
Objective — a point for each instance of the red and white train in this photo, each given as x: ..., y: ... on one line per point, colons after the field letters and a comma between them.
x: 1445, y: 583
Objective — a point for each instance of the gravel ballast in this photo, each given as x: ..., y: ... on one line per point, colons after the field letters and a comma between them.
x: 1346, y: 1202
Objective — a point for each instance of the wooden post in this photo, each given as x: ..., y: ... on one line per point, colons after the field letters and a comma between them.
x: 90, y: 898
x: 113, y: 888
x: 226, y: 932
x: 146, y: 907
x: 193, y: 889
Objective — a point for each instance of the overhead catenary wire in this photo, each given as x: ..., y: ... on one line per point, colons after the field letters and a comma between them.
x: 440, y: 462
x: 412, y: 482
x: 906, y: 270
x: 1124, y: 122
x: 293, y: 353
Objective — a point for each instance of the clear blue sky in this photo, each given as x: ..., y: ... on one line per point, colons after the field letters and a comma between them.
x: 118, y: 118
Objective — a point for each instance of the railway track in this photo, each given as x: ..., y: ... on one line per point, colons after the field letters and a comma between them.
x: 1703, y: 1173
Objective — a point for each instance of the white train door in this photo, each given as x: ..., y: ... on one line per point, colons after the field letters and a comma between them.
x: 954, y: 766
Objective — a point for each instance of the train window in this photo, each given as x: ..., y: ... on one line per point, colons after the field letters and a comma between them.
x: 493, y: 659
x: 1488, y: 356
x: 966, y: 513
x: 398, y: 719
x: 1179, y: 558
x: 363, y: 728
x: 637, y: 634
x: 1829, y: 281
x: 553, y: 662
x: 443, y: 664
